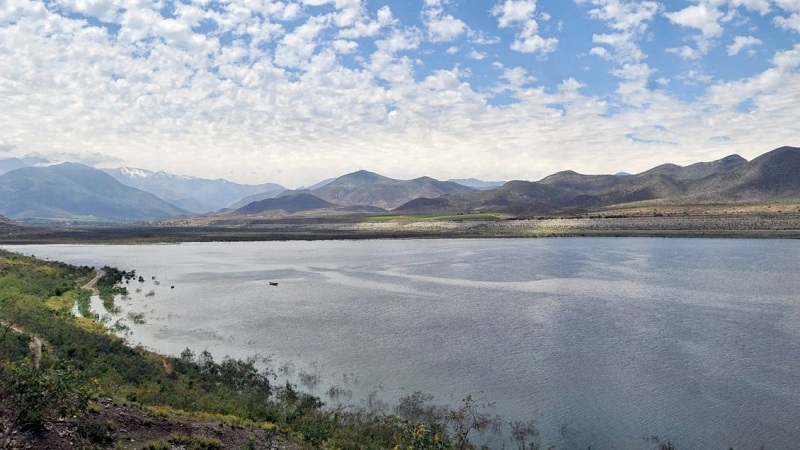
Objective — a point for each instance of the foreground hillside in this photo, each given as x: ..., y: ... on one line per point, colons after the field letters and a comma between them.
x: 66, y: 383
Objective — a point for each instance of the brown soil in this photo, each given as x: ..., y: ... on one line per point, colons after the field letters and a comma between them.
x: 129, y: 427
x: 91, y: 285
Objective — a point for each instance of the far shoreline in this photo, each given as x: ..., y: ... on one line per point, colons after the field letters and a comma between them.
x: 732, y: 226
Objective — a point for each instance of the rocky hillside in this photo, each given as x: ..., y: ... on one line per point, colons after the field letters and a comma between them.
x: 370, y: 189
x: 772, y: 176
x: 287, y: 203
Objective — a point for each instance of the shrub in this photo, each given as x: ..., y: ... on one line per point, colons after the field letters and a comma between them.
x: 195, y: 442
x: 41, y: 395
x: 96, y: 431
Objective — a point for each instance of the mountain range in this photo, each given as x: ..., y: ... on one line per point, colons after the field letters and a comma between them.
x: 75, y: 192
x: 197, y: 195
x: 70, y: 191
x: 772, y: 176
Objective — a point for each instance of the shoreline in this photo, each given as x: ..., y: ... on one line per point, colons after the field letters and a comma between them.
x: 776, y: 226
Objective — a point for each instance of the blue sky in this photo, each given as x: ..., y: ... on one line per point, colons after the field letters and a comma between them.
x: 295, y: 91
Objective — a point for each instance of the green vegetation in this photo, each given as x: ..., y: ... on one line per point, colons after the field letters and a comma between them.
x: 79, y: 369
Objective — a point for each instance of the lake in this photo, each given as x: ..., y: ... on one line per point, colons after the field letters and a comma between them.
x: 606, y: 342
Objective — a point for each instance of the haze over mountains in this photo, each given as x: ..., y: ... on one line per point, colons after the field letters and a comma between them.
x: 197, y: 195
x: 71, y: 191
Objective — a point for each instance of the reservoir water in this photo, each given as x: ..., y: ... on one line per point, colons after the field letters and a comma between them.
x: 605, y: 342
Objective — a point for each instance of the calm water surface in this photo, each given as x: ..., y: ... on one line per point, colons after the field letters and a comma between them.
x: 606, y: 342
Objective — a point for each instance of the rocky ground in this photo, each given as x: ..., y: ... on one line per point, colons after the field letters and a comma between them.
x: 109, y: 424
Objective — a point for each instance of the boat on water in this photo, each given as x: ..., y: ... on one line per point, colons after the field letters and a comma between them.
x: 273, y: 283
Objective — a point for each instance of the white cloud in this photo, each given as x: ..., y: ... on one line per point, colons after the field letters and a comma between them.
x: 258, y: 93
x: 788, y: 5
x: 626, y: 50
x: 344, y: 46
x: 685, y: 52
x: 601, y: 52
x: 761, y: 6
x: 703, y: 17
x: 441, y: 27
x: 476, y: 55
x: 105, y: 10
x: 788, y: 23
x: 694, y: 77
x: 517, y: 77
x: 631, y: 17
x: 481, y: 38
x: 369, y: 28
x: 628, y: 20
x: 298, y: 46
x: 520, y: 14
x: 742, y: 42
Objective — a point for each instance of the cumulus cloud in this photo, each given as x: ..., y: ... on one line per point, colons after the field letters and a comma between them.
x: 320, y: 87
x: 788, y: 5
x: 520, y: 14
x: 628, y: 21
x: 298, y: 46
x: 476, y: 55
x: 441, y: 27
x: 366, y: 27
x: 788, y: 23
x: 685, y: 52
x: 629, y: 17
x: 742, y: 42
x: 703, y: 17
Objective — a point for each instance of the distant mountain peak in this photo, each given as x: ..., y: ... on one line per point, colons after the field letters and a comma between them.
x: 362, y: 176
x: 132, y: 172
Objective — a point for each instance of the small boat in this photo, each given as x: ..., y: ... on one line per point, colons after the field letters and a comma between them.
x: 273, y: 283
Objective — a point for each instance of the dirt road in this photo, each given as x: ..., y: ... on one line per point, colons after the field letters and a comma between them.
x: 90, y: 286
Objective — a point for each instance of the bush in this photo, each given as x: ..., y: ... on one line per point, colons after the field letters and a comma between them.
x: 41, y: 395
x: 195, y: 442
x: 156, y: 445
x: 96, y: 431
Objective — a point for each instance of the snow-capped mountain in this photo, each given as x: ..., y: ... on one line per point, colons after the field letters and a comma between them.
x: 194, y: 194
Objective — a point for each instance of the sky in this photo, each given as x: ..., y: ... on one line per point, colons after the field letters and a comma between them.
x: 297, y: 91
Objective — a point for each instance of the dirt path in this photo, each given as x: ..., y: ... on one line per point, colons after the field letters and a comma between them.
x: 90, y: 286
x: 35, y: 345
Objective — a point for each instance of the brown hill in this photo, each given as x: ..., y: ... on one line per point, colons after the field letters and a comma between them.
x: 699, y: 170
x: 370, y: 189
x: 637, y: 188
x: 772, y: 176
x: 514, y: 196
x: 289, y: 203
x: 578, y: 184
